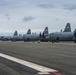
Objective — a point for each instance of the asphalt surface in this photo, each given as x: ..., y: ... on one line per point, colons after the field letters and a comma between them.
x: 58, y: 56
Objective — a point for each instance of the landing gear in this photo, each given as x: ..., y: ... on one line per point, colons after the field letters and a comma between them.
x: 74, y: 41
x: 28, y: 39
x: 24, y: 40
x: 53, y: 41
x: 57, y: 40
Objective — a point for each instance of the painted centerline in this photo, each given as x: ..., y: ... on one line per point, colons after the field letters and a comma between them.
x: 41, y: 69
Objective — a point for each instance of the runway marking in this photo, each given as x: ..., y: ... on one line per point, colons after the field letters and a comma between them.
x: 56, y: 73
x: 41, y: 73
x: 66, y: 43
x: 41, y: 69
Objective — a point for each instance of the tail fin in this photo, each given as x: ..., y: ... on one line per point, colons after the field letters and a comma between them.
x: 67, y: 28
x: 15, y: 33
x: 45, y: 31
x: 29, y: 31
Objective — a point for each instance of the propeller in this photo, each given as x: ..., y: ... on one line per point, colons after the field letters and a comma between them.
x: 42, y: 36
x: 75, y: 33
x: 75, y: 36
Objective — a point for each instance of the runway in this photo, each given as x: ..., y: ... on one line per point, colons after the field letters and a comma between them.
x: 57, y: 56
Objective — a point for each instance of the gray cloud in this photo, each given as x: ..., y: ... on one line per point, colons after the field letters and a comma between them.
x: 10, y: 3
x: 7, y: 16
x: 57, y: 19
x: 70, y: 7
x: 46, y: 6
x: 28, y: 18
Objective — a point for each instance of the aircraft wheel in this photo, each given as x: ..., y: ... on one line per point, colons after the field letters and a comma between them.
x: 24, y: 40
x: 52, y: 41
x: 57, y: 41
x: 74, y: 41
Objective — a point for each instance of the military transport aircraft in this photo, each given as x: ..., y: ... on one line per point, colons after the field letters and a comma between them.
x: 17, y: 37
x: 35, y: 37
x: 7, y: 38
x: 66, y: 35
x: 47, y: 38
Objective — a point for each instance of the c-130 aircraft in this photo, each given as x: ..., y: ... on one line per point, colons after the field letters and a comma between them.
x: 66, y: 35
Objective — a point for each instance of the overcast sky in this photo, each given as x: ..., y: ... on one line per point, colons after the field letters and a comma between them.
x: 36, y: 14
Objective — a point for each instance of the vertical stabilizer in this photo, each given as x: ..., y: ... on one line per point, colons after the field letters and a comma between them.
x: 46, y: 31
x: 29, y: 31
x: 15, y: 33
x: 67, y: 28
x: 44, y: 34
